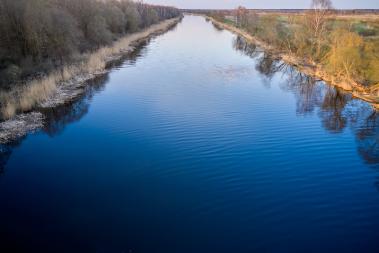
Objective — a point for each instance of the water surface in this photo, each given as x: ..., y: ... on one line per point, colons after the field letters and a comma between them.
x: 196, y: 142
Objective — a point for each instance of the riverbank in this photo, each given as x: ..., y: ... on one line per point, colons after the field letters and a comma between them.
x: 20, y: 105
x: 309, y: 68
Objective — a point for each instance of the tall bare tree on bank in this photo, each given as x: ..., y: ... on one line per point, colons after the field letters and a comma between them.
x: 247, y: 19
x: 241, y: 14
x: 317, y: 19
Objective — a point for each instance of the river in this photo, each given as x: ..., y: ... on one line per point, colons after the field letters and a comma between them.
x: 196, y: 142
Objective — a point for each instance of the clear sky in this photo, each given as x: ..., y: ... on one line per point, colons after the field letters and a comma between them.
x: 264, y: 4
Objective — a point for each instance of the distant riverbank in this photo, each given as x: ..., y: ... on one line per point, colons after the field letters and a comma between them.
x: 309, y: 68
x: 63, y: 85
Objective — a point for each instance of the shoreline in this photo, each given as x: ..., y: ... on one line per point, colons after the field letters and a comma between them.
x: 357, y: 90
x: 23, y: 104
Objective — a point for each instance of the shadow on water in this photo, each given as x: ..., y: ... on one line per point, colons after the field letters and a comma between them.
x: 57, y: 118
x: 215, y: 26
x: 336, y: 109
x: 5, y: 153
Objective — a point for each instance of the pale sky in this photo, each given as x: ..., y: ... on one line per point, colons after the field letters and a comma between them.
x: 264, y: 4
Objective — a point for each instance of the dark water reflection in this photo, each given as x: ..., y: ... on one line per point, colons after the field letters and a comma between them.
x: 57, y: 118
x: 5, y: 153
x: 196, y: 146
x: 336, y: 109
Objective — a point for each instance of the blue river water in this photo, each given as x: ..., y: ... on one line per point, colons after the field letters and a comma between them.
x: 196, y: 142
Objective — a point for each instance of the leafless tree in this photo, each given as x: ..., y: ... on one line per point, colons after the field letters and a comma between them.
x: 241, y: 14
x: 318, y: 16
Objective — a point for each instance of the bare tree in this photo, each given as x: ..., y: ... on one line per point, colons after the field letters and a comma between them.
x: 320, y: 10
x: 318, y: 16
x: 241, y: 15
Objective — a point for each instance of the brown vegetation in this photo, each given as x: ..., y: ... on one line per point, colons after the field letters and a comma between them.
x: 37, y: 36
x: 42, y: 54
x: 24, y: 97
x: 339, y: 49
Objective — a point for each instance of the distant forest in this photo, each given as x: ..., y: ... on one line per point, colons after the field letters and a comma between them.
x: 40, y: 35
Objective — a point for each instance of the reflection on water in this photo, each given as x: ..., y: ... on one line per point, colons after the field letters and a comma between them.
x: 367, y: 135
x: 251, y: 50
x: 306, y: 90
x: 57, y: 118
x: 196, y: 147
x: 336, y: 109
x: 5, y: 153
x: 331, y: 111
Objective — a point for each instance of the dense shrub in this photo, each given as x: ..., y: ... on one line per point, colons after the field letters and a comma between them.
x: 39, y: 35
x: 344, y: 58
x: 345, y: 48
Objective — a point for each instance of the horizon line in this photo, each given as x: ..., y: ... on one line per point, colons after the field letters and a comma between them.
x: 347, y: 9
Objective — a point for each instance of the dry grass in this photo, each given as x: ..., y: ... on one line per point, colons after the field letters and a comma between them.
x: 360, y: 17
x: 26, y: 96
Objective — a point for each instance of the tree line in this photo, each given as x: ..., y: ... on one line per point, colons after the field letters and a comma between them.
x: 345, y: 48
x: 40, y: 35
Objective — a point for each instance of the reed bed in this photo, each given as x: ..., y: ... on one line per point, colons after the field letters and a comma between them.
x: 26, y: 96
